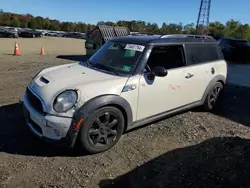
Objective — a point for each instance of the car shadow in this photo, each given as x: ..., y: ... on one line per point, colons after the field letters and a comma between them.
x: 234, y: 104
x: 217, y: 162
x: 16, y: 138
x: 73, y: 57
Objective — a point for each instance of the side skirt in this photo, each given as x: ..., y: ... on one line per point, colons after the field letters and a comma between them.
x: 160, y: 116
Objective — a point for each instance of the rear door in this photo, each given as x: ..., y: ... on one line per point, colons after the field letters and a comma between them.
x: 202, y: 62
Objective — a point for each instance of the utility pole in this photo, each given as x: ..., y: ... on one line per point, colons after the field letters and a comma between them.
x: 202, y: 25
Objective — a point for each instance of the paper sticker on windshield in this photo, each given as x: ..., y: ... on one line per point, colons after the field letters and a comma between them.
x: 135, y: 47
x: 126, y: 68
x: 129, y: 53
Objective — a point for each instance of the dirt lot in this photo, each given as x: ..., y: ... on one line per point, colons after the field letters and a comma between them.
x: 193, y: 149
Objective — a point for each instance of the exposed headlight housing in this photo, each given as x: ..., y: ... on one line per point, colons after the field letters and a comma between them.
x: 65, y: 101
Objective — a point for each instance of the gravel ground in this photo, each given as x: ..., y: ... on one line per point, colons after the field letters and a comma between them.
x: 192, y: 149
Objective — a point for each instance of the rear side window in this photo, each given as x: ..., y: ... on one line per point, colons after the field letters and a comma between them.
x: 202, y: 53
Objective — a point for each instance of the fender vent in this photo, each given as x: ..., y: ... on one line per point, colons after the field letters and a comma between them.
x: 44, y: 80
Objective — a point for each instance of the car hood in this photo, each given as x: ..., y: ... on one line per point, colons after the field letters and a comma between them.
x: 88, y: 82
x: 75, y: 74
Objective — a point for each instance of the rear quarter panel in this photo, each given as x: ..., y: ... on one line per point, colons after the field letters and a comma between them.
x: 221, y: 68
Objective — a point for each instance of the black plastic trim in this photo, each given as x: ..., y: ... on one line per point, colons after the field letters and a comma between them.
x: 143, y: 60
x: 163, y: 115
x: 101, y: 101
x: 211, y: 84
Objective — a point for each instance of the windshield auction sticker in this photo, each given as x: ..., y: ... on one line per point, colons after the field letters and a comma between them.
x: 134, y: 47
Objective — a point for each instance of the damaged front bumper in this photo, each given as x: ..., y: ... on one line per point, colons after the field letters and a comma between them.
x: 56, y: 130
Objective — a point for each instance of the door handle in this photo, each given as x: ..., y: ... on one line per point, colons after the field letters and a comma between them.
x: 189, y: 76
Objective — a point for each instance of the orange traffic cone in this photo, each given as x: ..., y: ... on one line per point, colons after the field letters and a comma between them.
x: 42, y: 51
x: 16, y: 50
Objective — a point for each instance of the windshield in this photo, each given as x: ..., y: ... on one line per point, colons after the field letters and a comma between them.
x: 117, y: 57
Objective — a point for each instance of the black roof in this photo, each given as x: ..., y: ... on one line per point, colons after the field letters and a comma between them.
x: 162, y: 39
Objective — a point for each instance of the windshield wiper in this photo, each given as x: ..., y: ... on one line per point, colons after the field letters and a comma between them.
x: 105, y: 67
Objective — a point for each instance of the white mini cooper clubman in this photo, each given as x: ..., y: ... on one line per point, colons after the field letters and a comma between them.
x: 128, y: 82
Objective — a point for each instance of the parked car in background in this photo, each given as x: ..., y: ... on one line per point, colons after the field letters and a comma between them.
x: 30, y: 33
x: 12, y: 29
x: 8, y: 34
x: 235, y: 49
x: 60, y: 34
x: 75, y: 35
x: 51, y: 34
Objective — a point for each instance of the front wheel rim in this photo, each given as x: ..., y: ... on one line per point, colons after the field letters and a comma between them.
x: 104, y: 130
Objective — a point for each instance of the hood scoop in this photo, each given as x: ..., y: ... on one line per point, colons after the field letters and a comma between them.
x: 44, y: 80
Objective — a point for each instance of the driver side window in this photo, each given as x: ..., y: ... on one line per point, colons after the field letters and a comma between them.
x: 169, y: 57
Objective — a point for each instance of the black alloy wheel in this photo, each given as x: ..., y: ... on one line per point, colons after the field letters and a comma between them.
x: 213, y: 96
x: 102, y: 129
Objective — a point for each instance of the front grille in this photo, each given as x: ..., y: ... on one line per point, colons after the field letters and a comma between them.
x: 34, y: 101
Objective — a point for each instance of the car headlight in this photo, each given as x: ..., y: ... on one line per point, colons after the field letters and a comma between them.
x: 65, y: 101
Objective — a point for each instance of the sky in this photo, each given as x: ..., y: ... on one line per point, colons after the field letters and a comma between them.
x: 154, y: 11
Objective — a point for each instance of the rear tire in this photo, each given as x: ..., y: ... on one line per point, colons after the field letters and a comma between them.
x: 213, y: 96
x: 101, y: 130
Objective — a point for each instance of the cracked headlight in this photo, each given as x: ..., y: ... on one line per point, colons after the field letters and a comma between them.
x: 65, y: 101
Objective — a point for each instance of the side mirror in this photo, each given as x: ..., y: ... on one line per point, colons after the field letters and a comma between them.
x: 159, y: 71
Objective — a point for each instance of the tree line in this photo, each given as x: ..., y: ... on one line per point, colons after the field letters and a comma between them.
x: 231, y: 28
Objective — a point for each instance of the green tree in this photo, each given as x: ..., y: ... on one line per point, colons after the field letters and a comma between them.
x: 55, y: 25
x: 100, y: 23
x: 189, y: 29
x: 231, y: 28
x: 15, y: 22
x: 242, y: 31
x: 67, y: 26
x: 40, y: 22
x: 141, y: 26
x: 46, y: 23
x: 32, y: 23
x: 248, y: 34
x: 164, y: 29
x: 216, y: 29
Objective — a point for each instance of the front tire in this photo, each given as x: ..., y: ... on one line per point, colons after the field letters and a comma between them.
x: 102, y: 129
x: 213, y: 96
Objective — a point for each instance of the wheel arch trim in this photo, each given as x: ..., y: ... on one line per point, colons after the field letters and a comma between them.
x: 218, y: 78
x: 102, y: 101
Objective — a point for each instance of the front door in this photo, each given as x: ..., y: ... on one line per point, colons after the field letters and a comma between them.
x: 165, y: 93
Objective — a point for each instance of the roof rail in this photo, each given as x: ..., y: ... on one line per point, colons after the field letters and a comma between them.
x: 186, y: 36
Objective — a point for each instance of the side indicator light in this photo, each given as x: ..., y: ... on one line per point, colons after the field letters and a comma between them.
x: 129, y: 88
x: 79, y: 123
